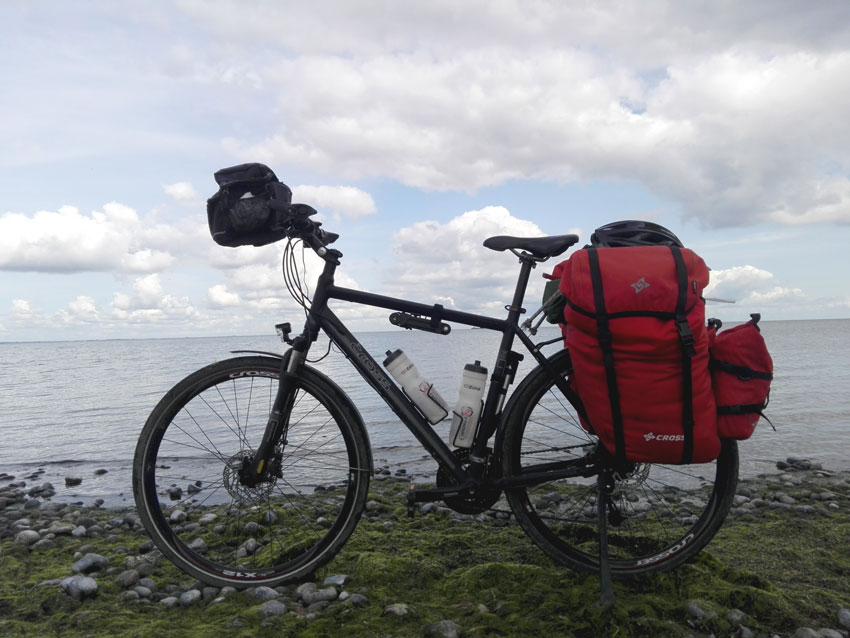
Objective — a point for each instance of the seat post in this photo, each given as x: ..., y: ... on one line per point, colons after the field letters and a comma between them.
x: 527, y: 263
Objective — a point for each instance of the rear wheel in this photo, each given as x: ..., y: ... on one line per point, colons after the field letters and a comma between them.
x: 661, y: 515
x: 202, y: 517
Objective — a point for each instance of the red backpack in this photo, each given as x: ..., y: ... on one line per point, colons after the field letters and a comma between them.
x: 639, y: 347
x: 741, y: 372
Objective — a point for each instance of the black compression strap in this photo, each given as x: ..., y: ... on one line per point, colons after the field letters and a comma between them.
x: 607, y: 354
x: 687, y: 340
x: 752, y: 408
x: 742, y: 372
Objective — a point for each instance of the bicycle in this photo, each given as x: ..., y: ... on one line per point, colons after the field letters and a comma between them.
x: 278, y: 459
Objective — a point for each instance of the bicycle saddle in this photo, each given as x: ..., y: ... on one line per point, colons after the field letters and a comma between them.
x: 540, y: 247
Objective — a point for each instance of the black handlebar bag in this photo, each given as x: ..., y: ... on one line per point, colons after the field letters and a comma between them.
x: 239, y: 213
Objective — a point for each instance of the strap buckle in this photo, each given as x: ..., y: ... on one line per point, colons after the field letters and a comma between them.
x: 686, y: 337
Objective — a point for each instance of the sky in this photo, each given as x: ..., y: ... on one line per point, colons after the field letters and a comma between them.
x: 417, y: 129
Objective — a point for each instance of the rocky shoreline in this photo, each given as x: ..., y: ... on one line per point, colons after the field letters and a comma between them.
x: 94, y: 554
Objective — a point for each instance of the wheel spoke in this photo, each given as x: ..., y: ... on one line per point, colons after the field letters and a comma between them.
x: 229, y: 532
x: 659, y: 515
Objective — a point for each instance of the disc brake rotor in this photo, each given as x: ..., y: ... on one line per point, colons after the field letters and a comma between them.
x: 242, y: 493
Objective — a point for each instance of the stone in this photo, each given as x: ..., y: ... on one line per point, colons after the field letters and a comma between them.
x: 319, y: 595
x: 143, y: 592
x: 844, y: 619
x: 79, y: 587
x: 396, y: 609
x: 147, y: 582
x: 304, y: 587
x: 188, y: 598
x: 72, y: 481
x: 209, y: 593
x: 271, y: 608
x: 805, y: 632
x: 358, y: 600
x: 736, y: 617
x: 206, y: 519
x: 127, y: 578
x: 198, y: 545
x: 43, y: 544
x: 90, y: 563
x: 338, y: 580
x: 170, y: 602
x: 261, y: 594
x: 27, y: 537
x: 443, y: 629
x: 826, y: 632
x: 745, y: 632
x: 61, y: 529
x: 694, y: 610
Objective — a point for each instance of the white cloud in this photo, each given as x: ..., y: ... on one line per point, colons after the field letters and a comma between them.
x: 150, y: 303
x: 219, y: 297
x: 449, y: 264
x: 347, y: 201
x: 748, y: 285
x: 736, y: 118
x: 183, y: 192
x: 22, y: 311
x: 68, y: 241
x: 80, y: 310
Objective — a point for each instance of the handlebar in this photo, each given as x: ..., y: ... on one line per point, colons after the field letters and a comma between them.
x: 295, y: 219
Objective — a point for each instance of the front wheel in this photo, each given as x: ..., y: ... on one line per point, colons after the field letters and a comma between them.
x: 661, y: 515
x: 203, y: 518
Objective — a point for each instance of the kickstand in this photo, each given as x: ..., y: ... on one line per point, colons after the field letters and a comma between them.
x: 606, y: 586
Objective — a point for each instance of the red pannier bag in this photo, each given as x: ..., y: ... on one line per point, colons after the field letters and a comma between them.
x: 639, y: 346
x: 741, y: 372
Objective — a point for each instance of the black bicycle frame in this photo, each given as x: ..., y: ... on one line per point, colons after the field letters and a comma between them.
x: 320, y: 317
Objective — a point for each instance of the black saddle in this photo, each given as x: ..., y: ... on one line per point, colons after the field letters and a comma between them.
x: 540, y: 247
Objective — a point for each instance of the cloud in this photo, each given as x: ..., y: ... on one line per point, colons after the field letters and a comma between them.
x: 183, y: 192
x: 736, y: 118
x: 114, y: 239
x: 448, y: 263
x: 219, y: 297
x: 80, y: 310
x: 21, y: 309
x: 347, y: 201
x: 749, y: 285
x: 149, y: 303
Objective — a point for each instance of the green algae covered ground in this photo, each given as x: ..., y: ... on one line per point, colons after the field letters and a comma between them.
x: 783, y: 568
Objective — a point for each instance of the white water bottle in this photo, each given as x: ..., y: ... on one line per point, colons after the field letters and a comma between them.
x: 422, y: 393
x: 467, y: 411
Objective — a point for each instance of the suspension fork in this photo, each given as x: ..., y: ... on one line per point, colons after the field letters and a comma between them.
x: 255, y: 468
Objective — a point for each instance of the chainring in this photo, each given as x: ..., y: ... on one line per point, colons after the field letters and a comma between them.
x: 473, y: 500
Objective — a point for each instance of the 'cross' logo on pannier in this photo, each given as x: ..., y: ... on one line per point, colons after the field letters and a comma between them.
x: 640, y: 285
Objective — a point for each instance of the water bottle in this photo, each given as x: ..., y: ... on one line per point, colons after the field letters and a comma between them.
x: 422, y: 393
x: 468, y: 408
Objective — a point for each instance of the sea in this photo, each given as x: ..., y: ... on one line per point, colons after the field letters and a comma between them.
x: 76, y: 408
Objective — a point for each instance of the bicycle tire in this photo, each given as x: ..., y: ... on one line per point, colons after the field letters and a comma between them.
x: 669, y: 512
x: 229, y: 534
